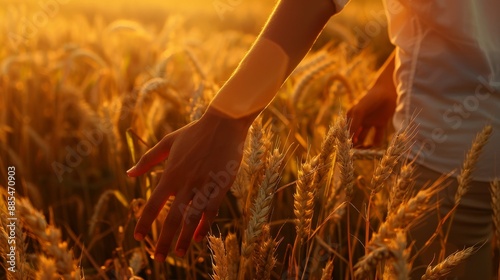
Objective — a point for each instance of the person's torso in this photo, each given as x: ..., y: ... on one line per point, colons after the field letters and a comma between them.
x: 448, y: 78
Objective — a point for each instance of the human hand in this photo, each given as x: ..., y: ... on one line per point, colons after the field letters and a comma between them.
x: 202, y: 161
x: 373, y: 110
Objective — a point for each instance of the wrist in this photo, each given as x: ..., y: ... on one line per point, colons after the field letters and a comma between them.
x: 213, y: 116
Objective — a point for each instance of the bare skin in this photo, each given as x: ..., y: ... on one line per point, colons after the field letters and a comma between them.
x: 212, y: 145
x: 376, y: 108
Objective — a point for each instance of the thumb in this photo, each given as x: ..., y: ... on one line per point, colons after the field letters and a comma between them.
x: 153, y: 156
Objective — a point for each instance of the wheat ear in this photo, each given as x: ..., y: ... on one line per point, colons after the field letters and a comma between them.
x: 233, y: 255
x: 46, y: 269
x: 343, y: 143
x: 219, y: 262
x: 264, y: 259
x: 406, y: 214
x: 399, y: 267
x: 465, y: 176
x: 327, y: 271
x: 402, y: 188
x: 443, y: 268
x: 50, y: 239
x: 308, y: 77
x: 391, y: 158
x: 262, y: 206
x: 323, y: 161
x: 368, y: 263
x: 254, y: 159
x: 304, y: 201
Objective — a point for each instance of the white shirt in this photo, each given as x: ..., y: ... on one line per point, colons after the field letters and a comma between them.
x: 448, y: 79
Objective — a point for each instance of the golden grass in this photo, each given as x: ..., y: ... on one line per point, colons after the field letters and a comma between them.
x: 294, y: 213
x: 440, y: 270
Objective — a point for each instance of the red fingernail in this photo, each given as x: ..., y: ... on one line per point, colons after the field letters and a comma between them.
x: 159, y: 258
x: 138, y: 236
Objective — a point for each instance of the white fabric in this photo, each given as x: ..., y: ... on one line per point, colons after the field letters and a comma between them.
x: 448, y: 78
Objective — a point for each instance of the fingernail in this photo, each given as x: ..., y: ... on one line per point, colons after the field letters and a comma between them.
x: 138, y: 236
x: 159, y: 258
x: 180, y: 252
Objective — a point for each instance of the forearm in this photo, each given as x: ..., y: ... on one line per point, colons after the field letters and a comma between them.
x: 286, y: 38
x: 385, y: 77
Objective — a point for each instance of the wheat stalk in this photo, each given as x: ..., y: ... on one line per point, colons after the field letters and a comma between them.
x: 343, y: 143
x: 256, y: 153
x: 161, y: 65
x: 262, y: 205
x: 312, y: 72
x: 195, y: 63
x: 153, y: 85
x: 254, y: 158
x: 443, y: 268
x: 101, y: 207
x: 402, y: 188
x: 240, y: 188
x: 495, y: 205
x: 125, y: 25
x: 312, y: 60
x: 391, y: 158
x: 49, y: 238
x: 327, y: 271
x: 220, y: 261
x: 233, y: 255
x: 46, y: 269
x: 323, y: 161
x: 198, y: 103
x: 136, y: 261
x: 399, y: 268
x: 369, y: 262
x: 264, y: 259
x: 406, y: 214
x: 23, y: 268
x: 89, y: 55
x: 304, y: 201
x: 470, y: 162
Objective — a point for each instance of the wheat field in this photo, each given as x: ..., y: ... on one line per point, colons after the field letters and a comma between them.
x: 87, y: 88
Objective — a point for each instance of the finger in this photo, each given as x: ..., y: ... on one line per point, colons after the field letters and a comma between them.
x: 207, y: 219
x: 170, y: 227
x: 360, y: 138
x: 353, y: 120
x: 153, y: 156
x: 379, y: 136
x: 193, y: 215
x: 192, y: 218
x: 154, y: 205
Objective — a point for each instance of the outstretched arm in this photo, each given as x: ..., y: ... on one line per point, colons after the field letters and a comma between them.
x: 376, y: 107
x: 204, y: 156
x: 285, y: 40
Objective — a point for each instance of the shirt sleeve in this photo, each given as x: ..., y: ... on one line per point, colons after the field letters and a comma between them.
x: 454, y: 19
